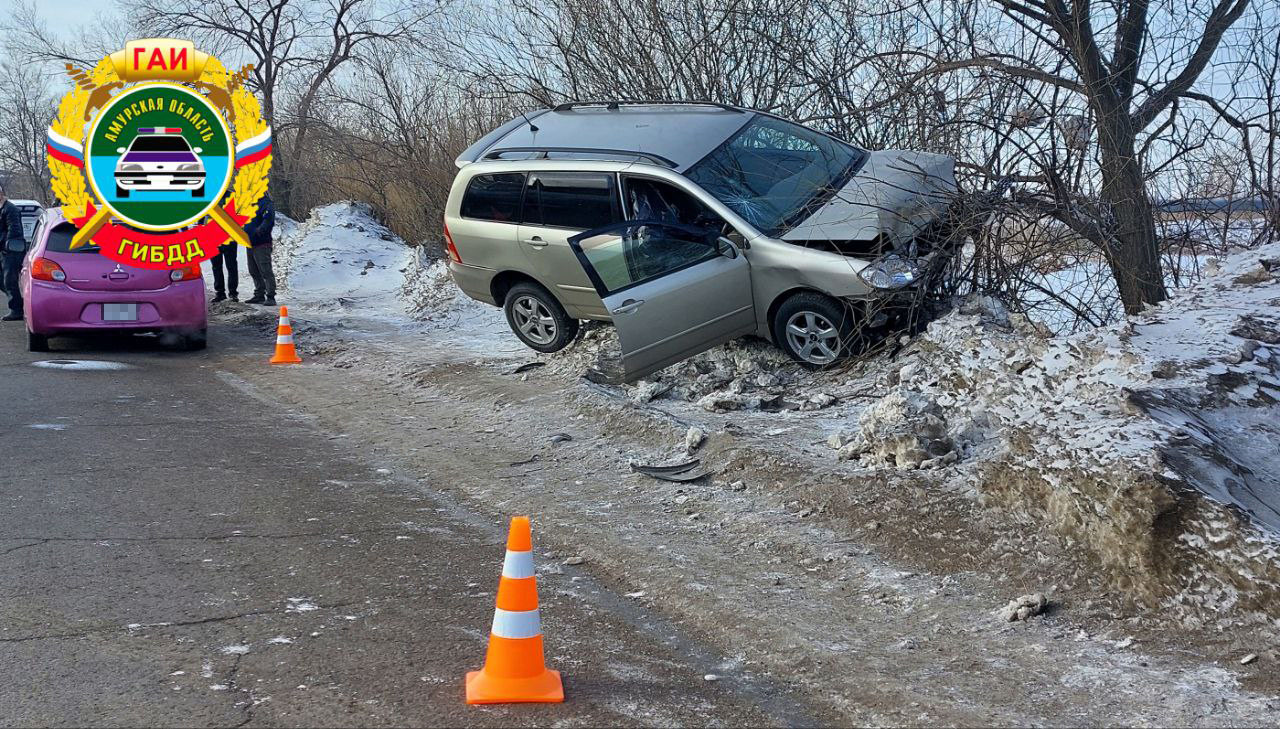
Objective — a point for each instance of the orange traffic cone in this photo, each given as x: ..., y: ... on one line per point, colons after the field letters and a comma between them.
x: 514, y: 670
x: 285, y: 353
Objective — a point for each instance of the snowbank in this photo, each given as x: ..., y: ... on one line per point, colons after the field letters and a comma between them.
x: 341, y: 259
x: 1152, y: 442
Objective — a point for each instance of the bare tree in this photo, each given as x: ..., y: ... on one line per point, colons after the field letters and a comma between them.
x: 1130, y: 65
x: 297, y: 48
x: 29, y: 106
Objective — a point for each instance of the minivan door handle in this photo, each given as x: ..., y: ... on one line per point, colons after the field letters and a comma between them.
x: 629, y: 306
x: 536, y: 241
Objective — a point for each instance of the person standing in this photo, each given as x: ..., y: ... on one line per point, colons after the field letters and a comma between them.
x: 227, y: 256
x: 259, y: 230
x: 13, y: 248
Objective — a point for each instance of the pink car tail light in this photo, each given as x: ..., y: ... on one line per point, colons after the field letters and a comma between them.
x: 186, y: 273
x: 46, y: 270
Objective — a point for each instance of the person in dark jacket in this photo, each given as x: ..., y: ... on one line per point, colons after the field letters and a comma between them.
x: 227, y: 256
x: 259, y: 230
x: 13, y: 247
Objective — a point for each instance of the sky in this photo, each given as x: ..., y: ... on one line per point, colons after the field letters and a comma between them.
x: 65, y: 12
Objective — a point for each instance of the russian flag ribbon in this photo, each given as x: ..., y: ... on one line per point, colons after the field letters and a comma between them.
x: 64, y: 150
x: 253, y: 149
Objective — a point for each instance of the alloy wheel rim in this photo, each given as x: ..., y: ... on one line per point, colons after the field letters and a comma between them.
x: 813, y: 338
x: 533, y: 320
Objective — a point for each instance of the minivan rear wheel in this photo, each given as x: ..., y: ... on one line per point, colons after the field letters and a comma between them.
x: 538, y: 319
x: 814, y: 329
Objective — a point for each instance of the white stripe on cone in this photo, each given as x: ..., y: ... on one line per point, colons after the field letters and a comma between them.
x: 517, y: 565
x: 516, y: 624
x: 284, y: 339
x: 284, y: 321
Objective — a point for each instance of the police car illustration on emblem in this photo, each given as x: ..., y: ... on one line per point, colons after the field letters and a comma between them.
x: 159, y: 158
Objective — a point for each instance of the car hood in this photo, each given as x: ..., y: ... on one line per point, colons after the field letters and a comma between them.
x: 895, y: 193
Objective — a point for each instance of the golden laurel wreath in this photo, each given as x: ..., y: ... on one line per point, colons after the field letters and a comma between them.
x: 94, y: 89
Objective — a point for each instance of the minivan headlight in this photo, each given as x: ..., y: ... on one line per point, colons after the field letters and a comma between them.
x: 890, y: 272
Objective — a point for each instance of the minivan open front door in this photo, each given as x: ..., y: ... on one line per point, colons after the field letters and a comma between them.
x: 672, y: 290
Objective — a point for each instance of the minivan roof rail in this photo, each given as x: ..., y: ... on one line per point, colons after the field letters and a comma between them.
x: 614, y: 104
x: 497, y: 153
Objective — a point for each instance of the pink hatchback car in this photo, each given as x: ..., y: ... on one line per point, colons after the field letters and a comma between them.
x: 83, y: 291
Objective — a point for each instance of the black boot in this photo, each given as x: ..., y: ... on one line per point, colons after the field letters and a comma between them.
x: 217, y: 297
x: 269, y: 301
x: 12, y: 317
x: 257, y: 299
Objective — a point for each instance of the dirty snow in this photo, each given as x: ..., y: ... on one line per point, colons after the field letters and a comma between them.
x: 1105, y: 437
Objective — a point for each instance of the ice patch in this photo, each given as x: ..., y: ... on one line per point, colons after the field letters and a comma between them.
x: 300, y: 605
x: 234, y: 650
x: 81, y: 365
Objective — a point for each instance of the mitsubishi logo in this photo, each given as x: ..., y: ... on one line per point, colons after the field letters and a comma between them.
x: 118, y: 269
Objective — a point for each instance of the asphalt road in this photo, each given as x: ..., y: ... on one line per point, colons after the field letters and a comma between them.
x: 175, y: 550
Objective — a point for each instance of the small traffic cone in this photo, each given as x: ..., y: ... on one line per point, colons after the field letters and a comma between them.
x: 285, y: 353
x: 514, y: 670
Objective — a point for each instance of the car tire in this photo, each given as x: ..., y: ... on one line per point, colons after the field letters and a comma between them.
x: 814, y: 329
x: 198, y: 192
x: 196, y: 341
x: 37, y: 342
x: 121, y: 192
x: 526, y: 301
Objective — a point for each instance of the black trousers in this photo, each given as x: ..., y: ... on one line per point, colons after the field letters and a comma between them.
x: 264, y: 279
x: 12, y: 265
x: 227, y: 256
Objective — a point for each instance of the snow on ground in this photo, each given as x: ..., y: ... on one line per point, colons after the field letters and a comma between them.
x: 1053, y: 298
x: 1111, y: 438
x: 341, y: 259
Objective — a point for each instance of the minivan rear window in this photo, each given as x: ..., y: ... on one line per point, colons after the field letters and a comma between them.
x: 494, y: 197
x: 576, y: 200
x: 60, y: 241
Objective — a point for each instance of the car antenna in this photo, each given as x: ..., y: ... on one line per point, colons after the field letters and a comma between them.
x: 532, y: 128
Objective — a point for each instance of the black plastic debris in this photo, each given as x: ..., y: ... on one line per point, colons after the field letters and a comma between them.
x: 677, y: 472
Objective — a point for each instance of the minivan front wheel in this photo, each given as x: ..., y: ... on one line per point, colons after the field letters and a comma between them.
x: 538, y: 319
x: 814, y: 329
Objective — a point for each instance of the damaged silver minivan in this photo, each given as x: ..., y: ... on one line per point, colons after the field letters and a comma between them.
x: 687, y: 225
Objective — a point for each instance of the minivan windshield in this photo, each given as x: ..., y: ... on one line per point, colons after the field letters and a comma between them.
x: 775, y: 174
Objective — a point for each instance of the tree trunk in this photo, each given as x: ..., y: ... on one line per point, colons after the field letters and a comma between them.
x: 1133, y: 250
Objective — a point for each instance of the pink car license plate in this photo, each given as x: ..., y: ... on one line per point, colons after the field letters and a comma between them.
x: 119, y: 312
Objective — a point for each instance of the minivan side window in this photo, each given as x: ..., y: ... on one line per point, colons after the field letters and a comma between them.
x: 494, y: 197
x: 575, y: 200
x: 647, y: 199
